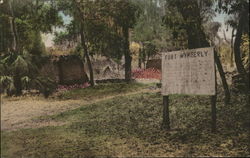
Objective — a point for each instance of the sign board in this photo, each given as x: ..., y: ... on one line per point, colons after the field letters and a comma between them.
x: 188, y: 72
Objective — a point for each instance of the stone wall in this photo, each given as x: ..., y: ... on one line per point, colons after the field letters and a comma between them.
x: 50, y: 69
x: 67, y: 69
x: 105, y: 68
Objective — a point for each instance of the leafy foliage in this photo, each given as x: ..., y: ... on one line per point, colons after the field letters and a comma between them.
x: 245, y: 51
x: 225, y: 55
x: 31, y: 17
x: 6, y: 83
x: 22, y: 53
x: 22, y: 64
x: 102, y: 26
x: 240, y: 21
x: 45, y: 85
x: 186, y: 19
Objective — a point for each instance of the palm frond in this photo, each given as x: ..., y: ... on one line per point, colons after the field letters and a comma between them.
x: 20, y: 64
x: 26, y: 81
x: 6, y: 82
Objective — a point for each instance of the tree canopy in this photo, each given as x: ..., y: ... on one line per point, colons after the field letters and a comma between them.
x: 108, y: 28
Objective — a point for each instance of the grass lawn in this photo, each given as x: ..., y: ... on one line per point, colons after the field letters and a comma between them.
x: 101, y: 90
x: 130, y: 126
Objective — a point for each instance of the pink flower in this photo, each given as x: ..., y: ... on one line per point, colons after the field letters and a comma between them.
x: 150, y: 73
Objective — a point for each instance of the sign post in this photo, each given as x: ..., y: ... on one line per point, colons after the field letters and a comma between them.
x: 190, y: 72
x: 213, y: 106
x: 166, y: 119
x: 213, y: 113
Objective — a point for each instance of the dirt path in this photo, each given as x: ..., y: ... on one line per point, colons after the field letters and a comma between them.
x: 18, y: 113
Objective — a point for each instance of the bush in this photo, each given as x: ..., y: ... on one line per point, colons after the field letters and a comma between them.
x: 45, y: 85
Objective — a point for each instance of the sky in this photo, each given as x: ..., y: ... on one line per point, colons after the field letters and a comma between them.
x: 222, y: 19
x: 48, y: 38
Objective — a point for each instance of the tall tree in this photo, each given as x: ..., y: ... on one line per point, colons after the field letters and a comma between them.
x: 124, y: 14
x: 78, y: 11
x: 93, y: 25
x: 80, y: 8
x: 23, y: 20
x: 193, y: 13
x: 149, y: 31
x: 240, y: 9
x: 104, y: 23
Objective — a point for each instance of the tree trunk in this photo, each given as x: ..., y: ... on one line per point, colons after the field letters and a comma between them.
x: 193, y: 40
x: 128, y: 58
x: 139, y: 62
x: 13, y: 35
x: 237, y: 52
x: 139, y: 58
x: 91, y: 73
x: 16, y: 49
x: 84, y: 46
x: 83, y: 43
x: 232, y: 48
x: 223, y: 78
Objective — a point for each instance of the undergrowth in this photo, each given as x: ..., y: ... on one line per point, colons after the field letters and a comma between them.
x: 131, y: 126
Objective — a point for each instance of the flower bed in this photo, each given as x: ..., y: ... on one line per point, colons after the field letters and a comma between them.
x: 150, y: 73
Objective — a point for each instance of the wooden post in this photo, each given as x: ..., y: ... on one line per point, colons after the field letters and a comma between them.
x: 213, y: 106
x: 213, y: 113
x: 166, y: 120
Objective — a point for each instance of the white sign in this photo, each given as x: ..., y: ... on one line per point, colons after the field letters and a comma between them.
x: 188, y: 72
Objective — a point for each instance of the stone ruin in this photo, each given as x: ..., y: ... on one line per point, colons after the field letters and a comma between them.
x: 105, y: 68
x: 65, y: 70
x: 69, y: 69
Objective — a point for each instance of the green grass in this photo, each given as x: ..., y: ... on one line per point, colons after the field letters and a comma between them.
x: 131, y: 126
x: 102, y: 90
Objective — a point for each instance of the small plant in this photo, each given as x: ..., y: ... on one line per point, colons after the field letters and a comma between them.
x: 44, y: 85
x: 6, y: 85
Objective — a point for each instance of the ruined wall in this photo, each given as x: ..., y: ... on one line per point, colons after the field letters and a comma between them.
x: 50, y: 69
x: 65, y: 70
x: 105, y: 68
x: 71, y: 70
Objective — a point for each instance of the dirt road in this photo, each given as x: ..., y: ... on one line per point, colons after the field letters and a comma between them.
x: 21, y: 112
